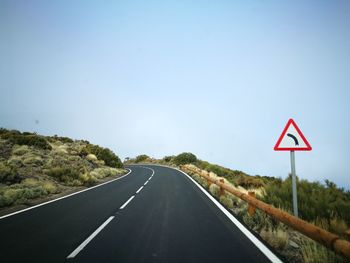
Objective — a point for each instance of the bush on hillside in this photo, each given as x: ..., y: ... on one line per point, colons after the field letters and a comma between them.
x: 33, y: 160
x: 19, y: 195
x: 185, y: 158
x: 101, y: 173
x: 30, y: 139
x: 9, y: 175
x: 168, y: 159
x: 314, y: 199
x: 248, y: 182
x: 20, y: 150
x: 141, y: 158
x: 104, y: 154
x: 28, y: 189
x: 61, y: 139
x: 219, y: 170
x: 64, y: 174
x: 5, y: 149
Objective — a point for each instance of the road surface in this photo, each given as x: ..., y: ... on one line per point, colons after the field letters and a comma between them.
x: 154, y: 214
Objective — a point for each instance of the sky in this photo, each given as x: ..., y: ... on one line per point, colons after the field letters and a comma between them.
x: 219, y: 79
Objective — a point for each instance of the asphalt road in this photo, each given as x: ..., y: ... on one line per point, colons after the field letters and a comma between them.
x: 169, y: 219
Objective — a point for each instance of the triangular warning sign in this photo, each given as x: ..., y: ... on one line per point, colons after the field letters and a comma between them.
x: 292, y: 139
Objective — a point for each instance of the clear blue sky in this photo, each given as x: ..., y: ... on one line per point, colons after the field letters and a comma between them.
x: 216, y: 78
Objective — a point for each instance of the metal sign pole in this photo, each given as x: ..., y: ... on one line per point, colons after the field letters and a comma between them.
x: 294, y: 183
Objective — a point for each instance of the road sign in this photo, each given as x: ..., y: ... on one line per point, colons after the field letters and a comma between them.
x: 292, y: 139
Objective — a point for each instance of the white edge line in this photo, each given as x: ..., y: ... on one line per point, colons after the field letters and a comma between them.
x: 145, y: 183
x: 127, y: 202
x: 82, y: 245
x: 265, y: 250
x: 60, y: 198
x: 139, y: 189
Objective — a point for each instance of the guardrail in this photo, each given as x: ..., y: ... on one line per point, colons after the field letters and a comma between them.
x: 318, y: 234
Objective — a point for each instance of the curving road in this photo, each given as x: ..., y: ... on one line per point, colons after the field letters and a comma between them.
x: 154, y: 214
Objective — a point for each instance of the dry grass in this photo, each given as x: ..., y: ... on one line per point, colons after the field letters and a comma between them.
x: 30, y: 182
x: 15, y: 161
x: 91, y: 157
x: 31, y: 159
x: 214, y: 190
x: 50, y: 187
x: 338, y: 226
x: 85, y: 179
x: 20, y: 149
x: 276, y: 238
x: 226, y: 201
x: 100, y: 173
x: 313, y: 252
x: 29, y: 188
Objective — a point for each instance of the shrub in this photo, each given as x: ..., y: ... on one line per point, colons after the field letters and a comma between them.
x: 91, y: 157
x: 30, y: 182
x: 15, y: 162
x: 33, y: 160
x: 257, y: 221
x: 74, y: 158
x: 234, y: 198
x: 168, y: 159
x: 185, y: 158
x: 10, y: 196
x: 27, y: 139
x: 49, y: 188
x: 141, y: 158
x: 338, y: 226
x: 2, y: 131
x: 5, y: 149
x: 312, y: 252
x: 87, y: 179
x: 314, y: 199
x: 104, y: 154
x: 9, y: 175
x: 18, y: 195
x: 276, y: 238
x: 20, y: 150
x: 104, y: 172
x: 226, y: 201
x: 231, y: 175
x: 61, y: 150
x: 214, y: 190
x: 249, y: 182
x: 61, y: 139
x: 66, y: 175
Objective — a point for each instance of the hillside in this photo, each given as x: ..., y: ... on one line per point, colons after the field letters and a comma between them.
x: 324, y: 205
x: 34, y: 168
x: 318, y: 200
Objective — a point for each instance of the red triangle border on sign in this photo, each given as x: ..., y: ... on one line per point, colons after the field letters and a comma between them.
x: 292, y: 122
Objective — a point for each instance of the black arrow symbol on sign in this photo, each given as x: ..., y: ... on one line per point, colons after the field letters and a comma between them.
x: 294, y: 138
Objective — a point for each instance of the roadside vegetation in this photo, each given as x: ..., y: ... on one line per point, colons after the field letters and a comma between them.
x: 33, y: 167
x: 324, y: 205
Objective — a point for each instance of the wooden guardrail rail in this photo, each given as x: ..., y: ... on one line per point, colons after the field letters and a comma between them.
x: 318, y: 234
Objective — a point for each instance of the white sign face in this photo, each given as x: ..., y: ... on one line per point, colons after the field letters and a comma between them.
x: 292, y: 139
